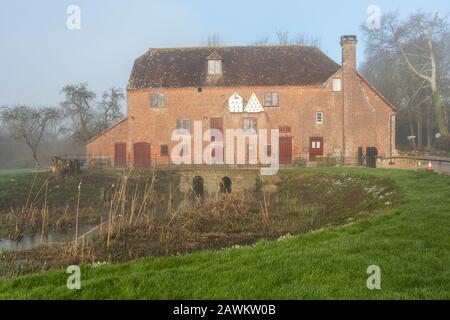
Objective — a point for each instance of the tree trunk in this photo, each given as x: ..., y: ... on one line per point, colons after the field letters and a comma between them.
x: 439, y: 114
x: 429, y: 127
x: 411, y: 130
x: 35, y: 157
x: 419, y: 130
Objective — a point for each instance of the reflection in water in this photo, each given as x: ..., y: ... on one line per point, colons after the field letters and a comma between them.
x: 31, y: 241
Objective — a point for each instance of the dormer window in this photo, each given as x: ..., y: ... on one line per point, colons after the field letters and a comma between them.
x: 214, y: 64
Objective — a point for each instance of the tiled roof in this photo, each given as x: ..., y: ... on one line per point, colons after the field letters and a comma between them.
x: 242, y: 66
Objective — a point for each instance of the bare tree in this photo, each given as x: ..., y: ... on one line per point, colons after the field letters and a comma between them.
x: 264, y: 41
x: 79, y: 104
x: 388, y: 73
x: 110, y: 108
x: 303, y: 39
x: 417, y: 40
x: 282, y: 37
x: 28, y: 125
x: 214, y: 40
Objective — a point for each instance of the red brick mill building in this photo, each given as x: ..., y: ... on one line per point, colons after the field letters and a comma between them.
x: 320, y: 107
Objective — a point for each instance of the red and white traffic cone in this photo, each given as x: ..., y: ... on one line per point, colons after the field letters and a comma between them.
x: 430, y: 166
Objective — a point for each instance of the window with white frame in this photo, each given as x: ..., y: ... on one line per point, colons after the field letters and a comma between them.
x: 337, y: 85
x: 157, y: 100
x: 214, y: 67
x: 250, y: 126
x: 271, y: 99
x: 319, y: 118
x: 184, y: 123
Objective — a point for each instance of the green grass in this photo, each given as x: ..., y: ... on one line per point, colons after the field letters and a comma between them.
x: 411, y: 244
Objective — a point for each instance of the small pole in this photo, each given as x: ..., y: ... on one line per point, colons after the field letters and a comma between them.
x: 78, y: 210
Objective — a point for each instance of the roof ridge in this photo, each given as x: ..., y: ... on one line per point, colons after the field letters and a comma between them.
x: 233, y: 46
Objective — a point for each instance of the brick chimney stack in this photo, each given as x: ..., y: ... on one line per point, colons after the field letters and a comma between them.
x: 348, y: 43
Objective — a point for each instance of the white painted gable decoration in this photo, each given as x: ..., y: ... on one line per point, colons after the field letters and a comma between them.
x: 235, y: 103
x: 253, y: 105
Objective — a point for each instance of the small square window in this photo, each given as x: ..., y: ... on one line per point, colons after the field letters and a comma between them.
x: 271, y: 99
x: 164, y: 152
x: 337, y: 85
x: 157, y: 100
x: 319, y: 118
x: 285, y: 129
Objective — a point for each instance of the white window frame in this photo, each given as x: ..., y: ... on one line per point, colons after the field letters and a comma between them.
x: 337, y: 85
x: 160, y: 100
x: 214, y: 67
x: 320, y: 117
x: 271, y: 99
x: 184, y: 124
x: 250, y: 129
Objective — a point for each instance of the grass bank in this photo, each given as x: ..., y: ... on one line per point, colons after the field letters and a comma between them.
x: 411, y: 244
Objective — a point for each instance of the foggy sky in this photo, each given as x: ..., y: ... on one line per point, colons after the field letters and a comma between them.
x: 39, y: 55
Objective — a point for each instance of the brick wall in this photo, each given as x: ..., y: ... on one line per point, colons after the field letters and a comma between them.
x: 103, y: 144
x: 367, y: 117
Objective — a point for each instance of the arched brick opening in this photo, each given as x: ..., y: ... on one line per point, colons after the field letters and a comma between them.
x: 198, y: 186
x: 225, y: 185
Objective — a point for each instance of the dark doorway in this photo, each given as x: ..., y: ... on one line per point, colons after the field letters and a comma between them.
x: 315, y: 148
x: 225, y: 185
x: 120, y: 155
x: 142, y: 157
x: 285, y: 150
x: 371, y: 157
x: 198, y: 186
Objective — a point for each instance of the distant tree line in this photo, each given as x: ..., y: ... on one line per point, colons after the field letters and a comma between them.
x: 282, y: 38
x: 30, y: 135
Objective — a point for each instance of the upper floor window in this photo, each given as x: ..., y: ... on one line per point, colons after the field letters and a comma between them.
x: 214, y: 64
x: 271, y: 99
x: 184, y: 123
x: 250, y: 126
x: 214, y: 67
x: 285, y: 129
x: 337, y: 85
x: 157, y: 100
x: 319, y: 118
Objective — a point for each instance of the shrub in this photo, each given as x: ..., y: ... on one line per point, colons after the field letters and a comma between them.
x: 326, y: 161
x: 300, y: 162
x: 443, y: 144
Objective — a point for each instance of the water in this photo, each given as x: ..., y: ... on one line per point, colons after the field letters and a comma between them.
x: 62, y: 237
x: 32, y: 241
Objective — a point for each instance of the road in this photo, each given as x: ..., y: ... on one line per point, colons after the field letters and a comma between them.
x: 443, y: 167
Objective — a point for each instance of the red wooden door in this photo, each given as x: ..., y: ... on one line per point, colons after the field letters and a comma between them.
x: 285, y: 147
x: 120, y: 155
x: 142, y: 158
x: 315, y: 148
x: 250, y: 154
x: 216, y: 123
